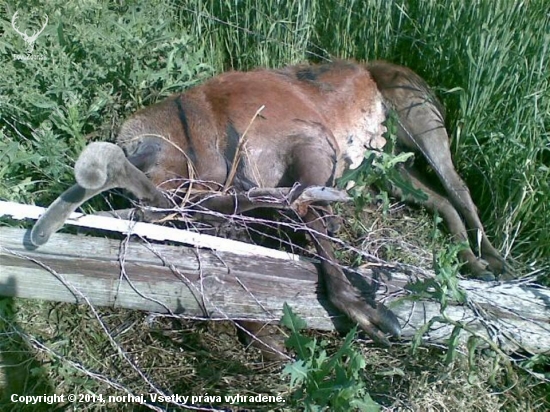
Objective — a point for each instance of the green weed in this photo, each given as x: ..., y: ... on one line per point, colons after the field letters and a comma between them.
x: 319, y: 381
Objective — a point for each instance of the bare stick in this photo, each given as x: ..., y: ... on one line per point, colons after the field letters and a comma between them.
x: 237, y: 157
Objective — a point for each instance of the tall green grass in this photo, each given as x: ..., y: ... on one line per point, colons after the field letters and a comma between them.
x: 488, y: 62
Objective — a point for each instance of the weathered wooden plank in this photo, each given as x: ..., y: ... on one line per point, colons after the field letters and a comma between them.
x: 220, y: 285
x: 148, y: 230
x: 161, y: 273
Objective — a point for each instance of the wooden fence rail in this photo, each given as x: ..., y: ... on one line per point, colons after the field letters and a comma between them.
x: 203, y: 283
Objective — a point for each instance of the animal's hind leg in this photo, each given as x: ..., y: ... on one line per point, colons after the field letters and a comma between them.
x: 435, y: 147
x: 460, y: 196
x: 439, y: 203
x: 421, y: 127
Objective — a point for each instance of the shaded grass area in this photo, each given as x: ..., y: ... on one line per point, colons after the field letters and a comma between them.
x: 193, y: 358
x: 488, y: 63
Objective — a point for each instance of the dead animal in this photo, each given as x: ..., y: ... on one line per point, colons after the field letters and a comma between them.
x: 316, y: 122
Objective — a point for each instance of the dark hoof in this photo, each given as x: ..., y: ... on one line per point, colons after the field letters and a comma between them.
x: 508, y: 273
x: 149, y: 216
x: 389, y: 323
x: 376, y: 321
x: 479, y: 269
x: 496, y: 264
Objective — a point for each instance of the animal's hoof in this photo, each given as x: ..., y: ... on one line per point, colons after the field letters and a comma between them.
x: 388, y: 321
x: 508, y: 273
x: 498, y: 266
x: 144, y: 214
x: 479, y: 269
x: 375, y: 320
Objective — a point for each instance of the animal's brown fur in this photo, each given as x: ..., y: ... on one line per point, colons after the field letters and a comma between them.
x: 316, y: 123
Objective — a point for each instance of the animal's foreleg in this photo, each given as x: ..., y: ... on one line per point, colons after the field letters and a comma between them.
x: 374, y: 318
x: 243, y: 202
